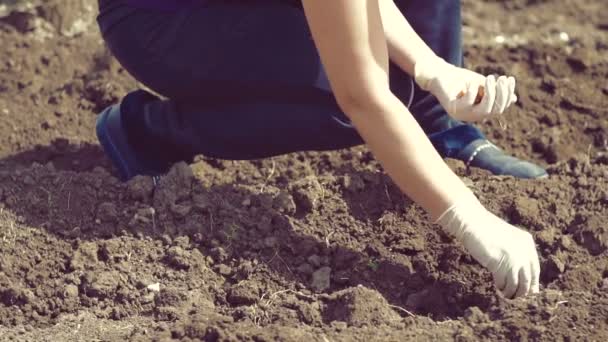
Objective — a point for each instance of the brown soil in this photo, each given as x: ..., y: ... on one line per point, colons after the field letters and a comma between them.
x: 304, y: 247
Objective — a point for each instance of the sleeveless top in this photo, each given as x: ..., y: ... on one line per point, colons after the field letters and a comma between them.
x: 160, y: 4
x: 172, y: 5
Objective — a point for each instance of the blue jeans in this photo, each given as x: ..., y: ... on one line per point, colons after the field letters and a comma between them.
x: 244, y: 79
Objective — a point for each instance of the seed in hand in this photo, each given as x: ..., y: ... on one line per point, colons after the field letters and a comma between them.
x: 480, y: 94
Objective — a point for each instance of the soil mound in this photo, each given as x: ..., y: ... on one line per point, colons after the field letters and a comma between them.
x: 303, y: 247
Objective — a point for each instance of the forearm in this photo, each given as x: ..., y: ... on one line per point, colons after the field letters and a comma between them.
x: 405, y: 46
x: 351, y: 41
x: 406, y: 154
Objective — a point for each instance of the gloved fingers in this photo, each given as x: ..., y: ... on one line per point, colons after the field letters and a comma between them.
x: 512, y: 282
x: 475, y: 95
x: 471, y: 94
x: 509, y: 91
x: 487, y: 102
x: 502, y: 95
x: 525, y: 281
x: 513, y: 97
x: 535, y: 267
x: 501, y: 275
x: 462, y: 107
x: 500, y: 280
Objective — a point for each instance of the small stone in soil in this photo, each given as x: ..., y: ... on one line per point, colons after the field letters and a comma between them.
x: 154, y: 287
x: 224, y: 270
x: 321, y: 279
x: 178, y: 258
x: 339, y: 325
x: 70, y: 291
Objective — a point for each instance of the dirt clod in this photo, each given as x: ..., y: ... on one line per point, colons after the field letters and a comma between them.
x: 178, y: 258
x: 321, y: 279
x: 70, y: 291
x: 553, y: 268
x: 243, y: 294
x: 306, y: 193
x: 284, y: 203
x: 107, y: 212
x: 593, y: 235
x: 525, y: 212
x: 474, y: 315
x: 102, y: 284
x: 85, y: 256
x: 141, y: 187
x: 359, y: 306
x: 314, y: 260
x: 274, y: 249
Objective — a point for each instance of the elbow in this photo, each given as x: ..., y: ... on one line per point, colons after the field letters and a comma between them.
x: 368, y: 99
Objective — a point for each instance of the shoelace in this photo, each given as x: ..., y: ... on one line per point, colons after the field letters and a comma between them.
x: 477, y: 150
x: 503, y: 126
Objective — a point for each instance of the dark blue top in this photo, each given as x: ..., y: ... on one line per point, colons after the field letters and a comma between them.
x: 172, y: 5
x: 161, y: 4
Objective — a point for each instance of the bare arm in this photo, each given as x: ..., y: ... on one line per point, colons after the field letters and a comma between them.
x: 486, y: 95
x: 350, y: 37
x: 405, y: 46
x: 351, y: 41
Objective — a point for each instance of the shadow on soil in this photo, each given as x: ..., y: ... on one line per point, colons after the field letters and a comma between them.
x: 288, y: 227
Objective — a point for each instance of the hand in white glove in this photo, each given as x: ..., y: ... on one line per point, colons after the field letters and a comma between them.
x: 465, y: 94
x: 506, y: 251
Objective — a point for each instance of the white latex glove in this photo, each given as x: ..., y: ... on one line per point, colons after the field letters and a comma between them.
x: 506, y: 251
x: 457, y: 89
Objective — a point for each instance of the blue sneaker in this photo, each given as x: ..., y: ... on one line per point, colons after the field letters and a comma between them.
x: 467, y: 143
x: 113, y: 138
x: 485, y: 155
